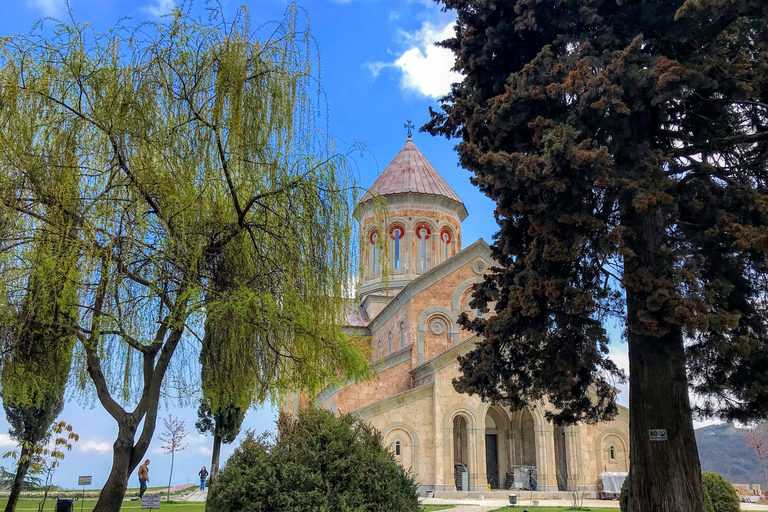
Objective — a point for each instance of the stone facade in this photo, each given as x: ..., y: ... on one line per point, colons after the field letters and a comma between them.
x: 410, y: 315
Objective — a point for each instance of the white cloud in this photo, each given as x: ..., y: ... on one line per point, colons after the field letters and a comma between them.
x: 160, y: 8
x: 95, y: 446
x: 424, y: 68
x: 7, y: 441
x: 205, y: 451
x: 51, y: 8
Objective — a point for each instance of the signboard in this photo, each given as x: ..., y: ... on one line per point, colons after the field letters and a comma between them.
x: 150, y: 501
x: 658, y: 434
x: 84, y: 480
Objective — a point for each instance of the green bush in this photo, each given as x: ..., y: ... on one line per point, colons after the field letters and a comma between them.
x: 724, y: 497
x: 624, y: 496
x: 318, y: 463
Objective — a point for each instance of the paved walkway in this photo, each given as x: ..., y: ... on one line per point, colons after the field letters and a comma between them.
x: 493, y: 504
x: 489, y: 504
x: 195, y: 495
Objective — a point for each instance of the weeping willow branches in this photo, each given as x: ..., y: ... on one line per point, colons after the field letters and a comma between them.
x: 202, y: 184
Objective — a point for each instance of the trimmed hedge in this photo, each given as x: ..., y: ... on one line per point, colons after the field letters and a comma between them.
x: 724, y: 497
x: 318, y: 463
x: 624, y: 496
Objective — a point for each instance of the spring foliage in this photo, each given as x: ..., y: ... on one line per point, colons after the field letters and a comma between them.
x: 319, y: 462
x: 721, y: 493
x: 173, y: 147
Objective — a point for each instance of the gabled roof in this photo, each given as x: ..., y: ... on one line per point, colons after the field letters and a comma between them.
x: 410, y: 171
x: 429, y: 278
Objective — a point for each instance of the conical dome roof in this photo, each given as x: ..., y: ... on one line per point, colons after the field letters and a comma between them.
x: 410, y: 171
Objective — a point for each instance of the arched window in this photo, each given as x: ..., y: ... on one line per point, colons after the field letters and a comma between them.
x: 389, y: 342
x: 478, y: 313
x: 381, y: 349
x: 423, y: 233
x: 374, y: 252
x: 445, y: 239
x: 402, y: 334
x: 397, y: 234
x: 397, y: 448
x: 613, y: 453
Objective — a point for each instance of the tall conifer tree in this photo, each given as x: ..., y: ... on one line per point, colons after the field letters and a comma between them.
x: 625, y: 143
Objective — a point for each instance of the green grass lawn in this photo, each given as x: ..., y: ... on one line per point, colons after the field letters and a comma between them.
x: 50, y: 506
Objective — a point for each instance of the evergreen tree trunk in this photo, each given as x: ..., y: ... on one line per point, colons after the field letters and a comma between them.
x: 215, y: 456
x: 665, y: 476
x: 18, y: 482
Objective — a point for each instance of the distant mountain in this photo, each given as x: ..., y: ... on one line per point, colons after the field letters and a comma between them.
x: 722, y: 449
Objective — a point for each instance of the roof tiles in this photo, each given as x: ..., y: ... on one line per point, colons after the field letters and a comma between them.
x: 410, y: 171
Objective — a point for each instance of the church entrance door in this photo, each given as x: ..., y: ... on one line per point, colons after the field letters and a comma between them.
x: 492, y: 460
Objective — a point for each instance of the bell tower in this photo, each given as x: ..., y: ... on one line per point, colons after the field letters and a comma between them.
x: 410, y: 222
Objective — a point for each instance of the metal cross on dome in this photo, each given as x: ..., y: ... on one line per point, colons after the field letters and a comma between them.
x: 409, y: 125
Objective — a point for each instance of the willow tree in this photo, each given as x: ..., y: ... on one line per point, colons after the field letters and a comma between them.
x: 192, y: 139
x: 625, y: 143
x: 40, y: 325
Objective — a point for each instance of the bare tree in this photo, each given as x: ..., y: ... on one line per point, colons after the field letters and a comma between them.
x: 173, y: 441
x: 757, y: 439
x: 575, y: 484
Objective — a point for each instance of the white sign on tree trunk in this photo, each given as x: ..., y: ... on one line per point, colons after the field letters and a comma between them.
x: 658, y: 434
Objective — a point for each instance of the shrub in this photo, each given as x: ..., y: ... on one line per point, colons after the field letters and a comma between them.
x: 724, y: 497
x: 624, y: 496
x: 318, y: 463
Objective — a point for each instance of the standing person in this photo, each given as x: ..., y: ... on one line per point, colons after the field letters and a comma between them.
x: 143, y: 477
x: 203, y: 475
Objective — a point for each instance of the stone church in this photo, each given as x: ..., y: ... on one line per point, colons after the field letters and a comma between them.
x: 449, y: 440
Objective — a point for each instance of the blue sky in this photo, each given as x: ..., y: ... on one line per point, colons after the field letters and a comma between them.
x: 379, y: 69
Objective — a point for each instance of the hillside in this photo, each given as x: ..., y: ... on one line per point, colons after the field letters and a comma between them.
x: 722, y: 449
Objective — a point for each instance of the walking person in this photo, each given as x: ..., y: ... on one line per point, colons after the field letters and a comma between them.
x: 143, y: 477
x: 203, y: 475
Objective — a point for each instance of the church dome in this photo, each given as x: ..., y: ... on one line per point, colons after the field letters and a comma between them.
x: 419, y: 228
x: 410, y: 172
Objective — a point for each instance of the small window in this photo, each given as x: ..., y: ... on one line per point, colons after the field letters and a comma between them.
x: 613, y: 453
x: 423, y: 233
x: 397, y: 448
x: 402, y: 334
x: 374, y: 252
x: 445, y: 238
x: 389, y: 342
x: 397, y: 234
x: 381, y: 349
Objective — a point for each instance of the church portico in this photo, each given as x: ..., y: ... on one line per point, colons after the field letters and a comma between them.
x: 416, y: 280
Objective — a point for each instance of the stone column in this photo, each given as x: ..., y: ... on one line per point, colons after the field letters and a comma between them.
x: 573, y: 456
x: 545, y: 458
x: 444, y: 463
x: 478, y: 480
